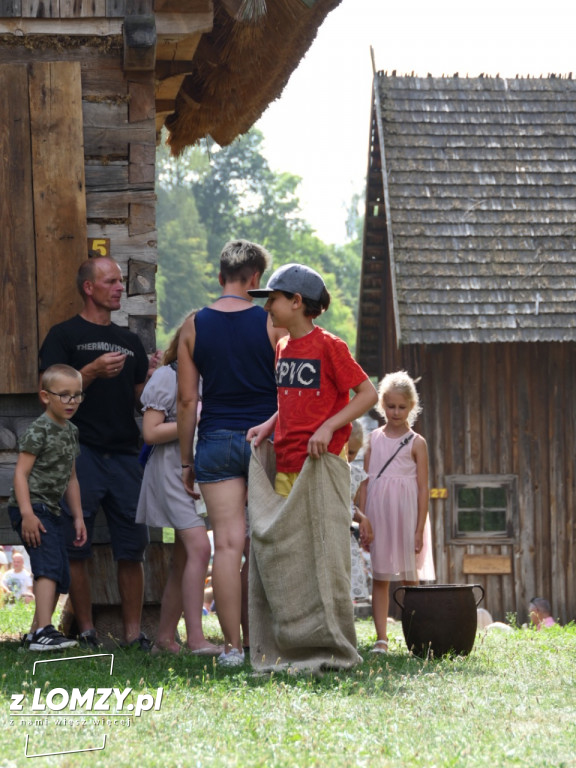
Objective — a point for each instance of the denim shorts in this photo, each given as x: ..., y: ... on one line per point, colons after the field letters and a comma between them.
x: 110, y: 481
x: 222, y: 455
x: 50, y: 559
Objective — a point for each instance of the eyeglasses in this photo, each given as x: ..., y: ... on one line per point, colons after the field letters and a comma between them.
x: 66, y: 398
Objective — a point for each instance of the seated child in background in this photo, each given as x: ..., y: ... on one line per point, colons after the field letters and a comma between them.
x: 18, y: 580
x: 359, y: 573
x: 4, y: 565
x: 540, y: 613
x: 45, y: 472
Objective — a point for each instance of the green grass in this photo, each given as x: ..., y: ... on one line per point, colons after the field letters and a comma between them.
x: 512, y: 702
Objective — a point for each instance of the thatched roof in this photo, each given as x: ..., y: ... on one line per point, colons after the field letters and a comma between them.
x: 239, y: 68
x: 471, y: 210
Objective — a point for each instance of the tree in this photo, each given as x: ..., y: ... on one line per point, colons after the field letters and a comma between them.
x: 241, y: 197
x: 186, y: 278
x: 206, y: 198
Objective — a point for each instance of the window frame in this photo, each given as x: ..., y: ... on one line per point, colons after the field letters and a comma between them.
x: 508, y: 482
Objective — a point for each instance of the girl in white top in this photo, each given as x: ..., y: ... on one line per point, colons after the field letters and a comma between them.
x: 165, y: 503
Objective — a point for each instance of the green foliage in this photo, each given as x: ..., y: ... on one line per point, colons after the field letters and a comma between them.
x: 211, y: 195
x: 512, y: 619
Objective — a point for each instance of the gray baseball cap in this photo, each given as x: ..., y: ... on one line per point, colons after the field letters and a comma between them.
x: 293, y: 278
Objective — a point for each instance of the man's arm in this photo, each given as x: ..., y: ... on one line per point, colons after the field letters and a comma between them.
x: 56, y: 349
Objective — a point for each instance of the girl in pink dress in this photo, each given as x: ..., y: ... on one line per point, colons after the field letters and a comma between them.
x: 395, y: 498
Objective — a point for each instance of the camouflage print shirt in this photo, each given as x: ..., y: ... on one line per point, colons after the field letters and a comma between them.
x: 55, y: 448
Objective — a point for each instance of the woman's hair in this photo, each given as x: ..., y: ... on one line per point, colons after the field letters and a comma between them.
x: 171, y: 352
x: 401, y: 382
x: 240, y: 259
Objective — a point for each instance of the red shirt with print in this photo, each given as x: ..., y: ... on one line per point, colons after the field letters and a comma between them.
x: 314, y: 376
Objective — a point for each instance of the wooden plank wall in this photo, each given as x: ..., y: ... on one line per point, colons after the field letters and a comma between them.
x: 120, y: 150
x: 115, y: 131
x: 504, y: 409
x: 59, y: 188
x: 18, y: 336
x: 43, y: 216
x: 118, y: 135
x: 68, y: 9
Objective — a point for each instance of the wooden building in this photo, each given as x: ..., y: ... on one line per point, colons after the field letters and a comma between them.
x: 86, y: 89
x: 468, y: 282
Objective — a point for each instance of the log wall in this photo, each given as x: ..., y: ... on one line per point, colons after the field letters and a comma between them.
x: 504, y: 409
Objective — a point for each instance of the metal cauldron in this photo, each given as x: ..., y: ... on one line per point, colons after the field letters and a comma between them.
x: 439, y: 619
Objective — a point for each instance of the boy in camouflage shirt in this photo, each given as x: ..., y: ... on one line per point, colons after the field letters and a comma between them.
x: 45, y: 472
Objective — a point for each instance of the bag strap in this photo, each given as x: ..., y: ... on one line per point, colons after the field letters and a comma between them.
x: 402, y: 444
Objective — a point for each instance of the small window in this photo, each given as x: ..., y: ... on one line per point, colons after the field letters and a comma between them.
x: 482, y: 505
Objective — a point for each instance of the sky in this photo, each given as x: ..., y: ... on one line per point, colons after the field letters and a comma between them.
x: 319, y: 127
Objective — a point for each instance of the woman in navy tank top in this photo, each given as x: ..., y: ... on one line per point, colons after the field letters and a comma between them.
x: 229, y: 347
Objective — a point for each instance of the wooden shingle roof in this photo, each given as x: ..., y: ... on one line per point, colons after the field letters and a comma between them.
x: 478, y: 207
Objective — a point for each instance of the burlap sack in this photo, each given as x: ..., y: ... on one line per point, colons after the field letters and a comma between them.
x: 300, y: 611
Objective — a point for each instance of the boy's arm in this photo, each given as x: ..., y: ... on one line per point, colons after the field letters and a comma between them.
x: 365, y: 397
x: 73, y: 499
x: 420, y: 451
x: 262, y: 431
x: 32, y: 527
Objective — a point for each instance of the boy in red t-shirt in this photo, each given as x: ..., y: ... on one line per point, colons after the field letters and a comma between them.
x: 314, y: 374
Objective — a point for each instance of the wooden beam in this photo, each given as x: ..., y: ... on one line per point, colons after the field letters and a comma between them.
x: 169, y: 26
x: 168, y: 89
x: 139, y: 33
x: 171, y: 48
x: 59, y: 187
x: 192, y: 6
x: 165, y: 69
x: 90, y: 27
x: 18, y: 334
x: 180, y: 25
x: 141, y: 277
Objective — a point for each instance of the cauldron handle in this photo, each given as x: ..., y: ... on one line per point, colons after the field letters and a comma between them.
x: 398, y: 603
x: 480, y: 587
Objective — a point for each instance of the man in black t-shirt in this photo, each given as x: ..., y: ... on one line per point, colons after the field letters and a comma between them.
x: 114, y: 368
